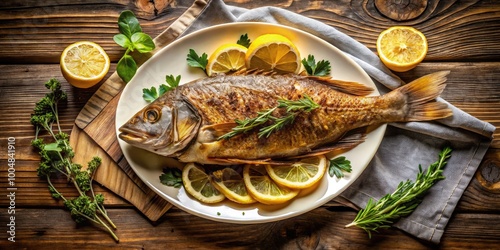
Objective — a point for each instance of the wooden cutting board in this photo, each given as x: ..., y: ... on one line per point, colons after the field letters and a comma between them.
x: 111, y: 176
x: 95, y: 134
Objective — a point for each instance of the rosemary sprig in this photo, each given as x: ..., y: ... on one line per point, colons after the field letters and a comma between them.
x: 403, y: 201
x: 305, y: 104
x: 278, y: 124
x: 293, y: 108
x: 249, y: 124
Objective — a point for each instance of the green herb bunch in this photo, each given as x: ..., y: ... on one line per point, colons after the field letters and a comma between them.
x: 403, y: 201
x: 131, y: 38
x: 56, y: 160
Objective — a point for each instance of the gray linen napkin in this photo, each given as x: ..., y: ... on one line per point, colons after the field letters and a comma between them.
x: 405, y: 145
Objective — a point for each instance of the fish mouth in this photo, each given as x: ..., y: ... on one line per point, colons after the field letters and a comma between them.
x: 131, y: 136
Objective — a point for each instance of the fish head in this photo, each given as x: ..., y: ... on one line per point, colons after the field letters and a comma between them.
x: 163, y: 128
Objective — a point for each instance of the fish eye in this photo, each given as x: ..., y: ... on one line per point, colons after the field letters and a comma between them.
x: 151, y: 115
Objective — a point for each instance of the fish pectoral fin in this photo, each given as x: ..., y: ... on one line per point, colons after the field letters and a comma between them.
x: 351, y: 88
x: 220, y: 129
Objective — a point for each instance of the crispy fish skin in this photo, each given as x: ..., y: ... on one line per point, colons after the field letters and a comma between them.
x: 214, y: 104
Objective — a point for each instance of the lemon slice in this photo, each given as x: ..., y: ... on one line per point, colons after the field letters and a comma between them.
x: 84, y: 64
x: 263, y: 188
x: 301, y: 174
x: 229, y: 182
x: 401, y: 48
x: 197, y: 184
x: 226, y: 58
x: 273, y: 52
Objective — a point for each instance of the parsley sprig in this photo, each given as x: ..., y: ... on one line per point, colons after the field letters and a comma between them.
x: 293, y: 108
x: 133, y: 39
x: 171, y: 177
x: 244, y: 40
x: 338, y: 166
x: 56, y: 159
x: 196, y: 61
x: 151, y: 94
x: 322, y: 68
x: 403, y: 201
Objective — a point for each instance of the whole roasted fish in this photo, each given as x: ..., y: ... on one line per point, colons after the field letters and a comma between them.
x: 187, y: 123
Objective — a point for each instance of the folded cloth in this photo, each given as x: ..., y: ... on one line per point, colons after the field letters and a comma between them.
x: 404, y: 146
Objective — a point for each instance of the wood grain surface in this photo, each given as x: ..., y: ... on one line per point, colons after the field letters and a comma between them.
x: 463, y: 37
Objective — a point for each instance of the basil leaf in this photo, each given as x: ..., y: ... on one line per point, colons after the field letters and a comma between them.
x: 123, y: 41
x: 142, y: 42
x: 126, y: 68
x: 128, y: 23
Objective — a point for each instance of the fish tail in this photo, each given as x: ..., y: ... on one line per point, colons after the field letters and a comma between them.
x: 421, y: 97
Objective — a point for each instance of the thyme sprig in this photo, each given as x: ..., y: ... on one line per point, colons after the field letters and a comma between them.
x: 403, y: 201
x: 57, y: 159
x: 292, y: 107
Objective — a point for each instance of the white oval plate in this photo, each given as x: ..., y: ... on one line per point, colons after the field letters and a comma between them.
x: 172, y: 60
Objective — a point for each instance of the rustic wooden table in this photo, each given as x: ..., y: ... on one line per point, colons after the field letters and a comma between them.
x: 463, y: 37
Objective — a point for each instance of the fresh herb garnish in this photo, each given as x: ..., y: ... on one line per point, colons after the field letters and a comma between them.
x: 244, y: 41
x: 196, y: 61
x: 322, y: 68
x: 338, y: 166
x: 56, y: 159
x: 131, y: 38
x: 293, y: 108
x: 152, y: 94
x: 403, y: 201
x: 171, y: 177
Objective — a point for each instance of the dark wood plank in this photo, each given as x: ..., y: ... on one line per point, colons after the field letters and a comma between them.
x: 319, y: 229
x: 456, y: 30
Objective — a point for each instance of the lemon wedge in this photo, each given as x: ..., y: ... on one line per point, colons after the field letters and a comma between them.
x: 301, y: 174
x: 273, y: 52
x: 229, y: 182
x: 197, y: 184
x: 84, y: 64
x: 226, y: 58
x: 401, y: 48
x: 263, y: 188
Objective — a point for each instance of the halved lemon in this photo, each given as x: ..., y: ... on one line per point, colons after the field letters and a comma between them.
x: 263, y: 188
x: 226, y: 58
x: 197, y: 183
x: 301, y: 174
x: 229, y: 182
x: 401, y: 48
x: 273, y: 52
x: 84, y: 64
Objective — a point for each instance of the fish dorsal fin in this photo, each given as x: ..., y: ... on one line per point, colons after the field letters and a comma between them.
x: 352, y: 88
x: 253, y: 72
